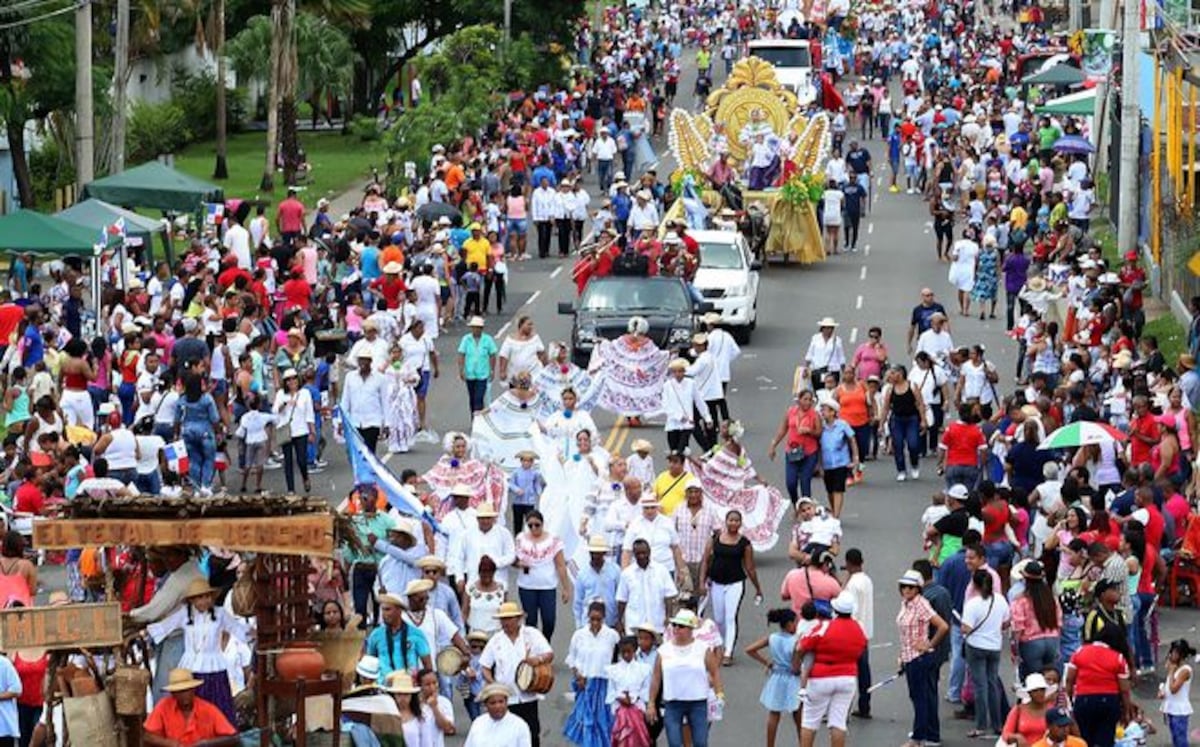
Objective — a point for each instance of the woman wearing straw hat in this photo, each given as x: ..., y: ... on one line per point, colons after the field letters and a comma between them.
x: 514, y: 644
x: 202, y: 624
x: 417, y: 724
x: 684, y: 671
x: 186, y: 717
x: 498, y: 726
x: 825, y: 354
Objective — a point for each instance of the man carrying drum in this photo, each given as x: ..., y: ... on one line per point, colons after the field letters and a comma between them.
x: 518, y: 649
x: 443, y: 635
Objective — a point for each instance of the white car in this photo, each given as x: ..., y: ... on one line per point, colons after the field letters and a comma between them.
x: 728, y: 279
x: 792, y: 60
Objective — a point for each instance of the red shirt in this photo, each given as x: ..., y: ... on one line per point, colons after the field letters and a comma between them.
x: 995, y: 518
x: 1155, y: 528
x: 962, y: 442
x: 836, y: 646
x: 227, y: 278
x: 30, y: 499
x: 290, y: 215
x: 297, y: 292
x: 391, y: 290
x: 1128, y: 275
x: 259, y: 289
x: 1139, y: 451
x: 10, y: 318
x: 1097, y: 670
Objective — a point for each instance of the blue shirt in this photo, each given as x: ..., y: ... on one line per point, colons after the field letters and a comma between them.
x: 955, y: 576
x: 9, y: 683
x: 544, y: 172
x: 443, y: 598
x: 531, y: 484
x: 592, y: 584
x: 835, y: 450
x: 391, y: 657
x: 35, y: 346
x: 369, y: 262
x: 894, y: 143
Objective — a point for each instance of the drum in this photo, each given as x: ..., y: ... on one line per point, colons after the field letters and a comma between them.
x: 537, y: 680
x: 450, y: 661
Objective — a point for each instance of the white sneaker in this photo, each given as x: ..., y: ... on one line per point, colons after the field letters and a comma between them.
x: 914, y: 474
x: 901, y: 477
x: 272, y: 464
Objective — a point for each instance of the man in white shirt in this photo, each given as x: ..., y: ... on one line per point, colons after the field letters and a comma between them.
x: 724, y: 350
x: 498, y: 726
x: 681, y: 402
x: 604, y: 150
x: 363, y: 399
x: 237, y: 240
x: 372, y: 344
x: 936, y: 340
x: 455, y: 523
x: 859, y: 585
x: 643, y: 216
x: 483, y: 539
x: 659, y: 531
x: 544, y: 207
x: 514, y: 644
x: 643, y: 590
x: 703, y: 372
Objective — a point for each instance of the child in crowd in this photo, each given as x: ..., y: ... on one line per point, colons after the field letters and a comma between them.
x: 641, y: 464
x: 933, y: 513
x: 629, y: 689
x: 525, y: 486
x: 471, y: 283
x: 1175, y: 691
x: 470, y: 681
x: 252, y: 431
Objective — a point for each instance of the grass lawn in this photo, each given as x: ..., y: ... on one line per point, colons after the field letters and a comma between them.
x: 1171, y: 335
x: 337, y: 162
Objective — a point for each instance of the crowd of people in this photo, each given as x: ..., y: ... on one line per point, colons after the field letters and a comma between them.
x: 1061, y: 500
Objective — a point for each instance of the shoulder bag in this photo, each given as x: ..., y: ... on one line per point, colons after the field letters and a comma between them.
x: 824, y: 606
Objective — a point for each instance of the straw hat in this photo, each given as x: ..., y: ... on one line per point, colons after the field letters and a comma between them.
x: 181, y: 679
x: 827, y: 322
x: 597, y: 543
x: 476, y: 321
x: 679, y: 364
x: 462, y: 489
x: 649, y: 500
x: 527, y: 454
x: 486, y: 511
x: 431, y: 561
x: 401, y: 683
x: 641, y: 444
x: 198, y: 588
x: 367, y: 668
x: 393, y: 600
x: 477, y: 636
x: 699, y: 339
x: 685, y: 619
x: 712, y: 317
x: 911, y: 578
x: 649, y: 627
x: 509, y: 609
x: 492, y: 690
x: 393, y: 268
x: 1036, y: 284
x: 418, y: 586
x: 289, y: 374
x: 128, y: 328
x: 402, y: 525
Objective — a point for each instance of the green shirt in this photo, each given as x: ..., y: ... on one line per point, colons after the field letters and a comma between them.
x: 477, y: 356
x: 377, y: 524
x: 1047, y: 136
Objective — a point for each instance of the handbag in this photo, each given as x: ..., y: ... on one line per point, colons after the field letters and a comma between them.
x: 986, y: 615
x: 130, y: 681
x: 824, y: 606
x: 90, y: 720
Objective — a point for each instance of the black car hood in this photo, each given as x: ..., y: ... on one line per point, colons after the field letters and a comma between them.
x: 611, y: 325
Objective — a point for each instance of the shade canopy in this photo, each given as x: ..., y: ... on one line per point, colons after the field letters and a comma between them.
x: 1078, y: 104
x: 46, y: 235
x: 98, y: 215
x: 153, y: 185
x: 1061, y: 74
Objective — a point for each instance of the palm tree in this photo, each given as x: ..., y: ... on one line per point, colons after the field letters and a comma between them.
x: 221, y: 168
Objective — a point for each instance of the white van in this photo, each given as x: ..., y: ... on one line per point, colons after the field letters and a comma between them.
x: 792, y: 60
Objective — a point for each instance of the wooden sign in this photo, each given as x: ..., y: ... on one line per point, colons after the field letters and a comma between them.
x: 67, y: 626
x: 305, y: 534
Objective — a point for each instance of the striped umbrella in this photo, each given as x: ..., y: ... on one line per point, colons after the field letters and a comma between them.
x: 1082, y: 433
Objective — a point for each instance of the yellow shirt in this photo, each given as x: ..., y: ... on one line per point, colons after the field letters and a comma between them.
x: 476, y: 252
x: 669, y: 490
x: 1018, y: 217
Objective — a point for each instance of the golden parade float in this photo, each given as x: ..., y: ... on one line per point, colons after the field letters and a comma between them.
x: 776, y: 150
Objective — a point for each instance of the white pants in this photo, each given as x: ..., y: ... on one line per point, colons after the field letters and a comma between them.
x: 77, y: 408
x: 726, y: 600
x: 828, y: 698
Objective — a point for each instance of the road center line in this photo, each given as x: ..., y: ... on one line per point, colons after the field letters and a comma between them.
x: 854, y: 335
x: 500, y: 332
x: 866, y: 250
x: 533, y: 298
x: 863, y: 275
x: 858, y: 303
x: 556, y: 271
x: 870, y: 228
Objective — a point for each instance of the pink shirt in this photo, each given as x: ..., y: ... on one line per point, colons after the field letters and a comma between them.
x: 868, y: 361
x: 308, y: 256
x: 1025, y: 623
x: 796, y: 588
x: 515, y: 208
x: 1177, y: 507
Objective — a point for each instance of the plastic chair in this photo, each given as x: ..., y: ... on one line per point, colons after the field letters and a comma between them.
x: 1184, y: 573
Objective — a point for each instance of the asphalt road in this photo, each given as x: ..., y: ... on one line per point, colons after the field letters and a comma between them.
x: 876, y: 286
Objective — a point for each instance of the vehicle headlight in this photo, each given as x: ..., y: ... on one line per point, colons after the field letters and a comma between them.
x: 680, y: 335
x: 736, y: 291
x: 587, y: 333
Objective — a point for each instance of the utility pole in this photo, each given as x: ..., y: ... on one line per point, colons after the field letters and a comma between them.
x: 221, y: 169
x: 1075, y: 15
x: 85, y: 139
x: 120, y: 87
x: 1131, y: 128
x: 1108, y: 20
x: 507, y: 21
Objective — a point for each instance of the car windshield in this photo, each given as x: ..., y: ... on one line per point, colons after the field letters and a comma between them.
x: 721, y: 256
x: 635, y: 294
x: 784, y: 56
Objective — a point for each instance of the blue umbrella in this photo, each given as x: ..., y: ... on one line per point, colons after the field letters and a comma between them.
x: 1073, y: 144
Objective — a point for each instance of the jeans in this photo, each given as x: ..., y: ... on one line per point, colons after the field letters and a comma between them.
x: 476, y: 393
x: 962, y: 475
x: 1038, y: 655
x: 201, y: 446
x: 1143, y: 654
x: 127, y: 476
x: 149, y: 483
x: 28, y: 717
x: 295, y: 454
x: 1010, y: 314
x: 958, y: 665
x: 864, y: 682
x: 921, y: 675
x: 1177, y: 725
x: 126, y: 392
x: 906, y: 431
x: 862, y: 438
x: 800, y: 474
x: 695, y: 712
x: 604, y: 173
x: 540, y: 603
x: 985, y: 673
x: 1070, y: 636
x: 1097, y: 717
x: 999, y: 554
x: 362, y: 581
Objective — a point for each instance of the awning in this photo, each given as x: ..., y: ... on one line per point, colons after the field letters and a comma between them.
x: 98, y: 215
x: 1080, y: 103
x: 153, y: 185
x: 1061, y: 74
x: 47, y: 235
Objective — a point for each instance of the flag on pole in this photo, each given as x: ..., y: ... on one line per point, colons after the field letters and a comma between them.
x: 177, y: 457
x: 369, y: 469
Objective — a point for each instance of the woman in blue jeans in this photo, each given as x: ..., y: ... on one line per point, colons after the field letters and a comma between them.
x: 1037, y: 621
x: 905, y: 413
x: 684, y: 671
x: 801, y: 427
x: 983, y: 618
x: 541, y: 569
x: 196, y: 420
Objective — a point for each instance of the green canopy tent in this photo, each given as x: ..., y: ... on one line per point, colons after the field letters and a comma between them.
x: 1061, y: 74
x: 51, y: 236
x: 1079, y: 104
x: 153, y: 185
x: 98, y: 215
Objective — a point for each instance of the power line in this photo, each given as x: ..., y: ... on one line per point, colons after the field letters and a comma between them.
x: 24, y: 5
x: 35, y: 19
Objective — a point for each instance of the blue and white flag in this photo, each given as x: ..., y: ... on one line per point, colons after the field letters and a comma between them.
x: 370, y: 470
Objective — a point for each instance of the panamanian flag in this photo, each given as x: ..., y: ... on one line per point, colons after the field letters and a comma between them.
x: 369, y: 469
x: 177, y: 457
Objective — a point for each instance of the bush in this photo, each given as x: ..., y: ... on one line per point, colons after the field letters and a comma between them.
x: 196, y: 95
x: 365, y: 129
x: 155, y: 129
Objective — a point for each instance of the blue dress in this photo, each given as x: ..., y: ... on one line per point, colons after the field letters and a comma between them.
x: 986, y: 276
x: 781, y: 692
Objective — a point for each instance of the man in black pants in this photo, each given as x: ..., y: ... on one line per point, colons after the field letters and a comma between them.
x: 562, y: 219
x: 854, y: 196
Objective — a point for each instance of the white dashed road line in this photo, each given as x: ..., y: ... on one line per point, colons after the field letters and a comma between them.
x: 533, y: 298
x: 870, y: 228
x: 863, y: 275
x: 556, y: 271
x: 854, y: 335
x: 500, y: 332
x: 858, y: 302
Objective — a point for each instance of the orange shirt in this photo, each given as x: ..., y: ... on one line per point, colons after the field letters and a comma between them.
x: 854, y: 405
x: 454, y: 176
x: 205, y: 722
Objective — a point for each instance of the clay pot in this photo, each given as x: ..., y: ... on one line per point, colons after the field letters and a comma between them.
x: 299, y: 661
